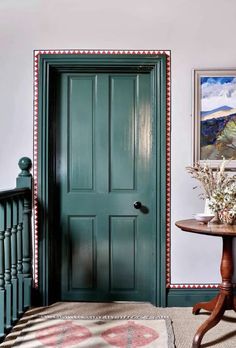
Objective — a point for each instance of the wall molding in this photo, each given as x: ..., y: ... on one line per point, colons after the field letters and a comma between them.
x: 194, y: 286
x: 44, y: 63
x: 189, y: 297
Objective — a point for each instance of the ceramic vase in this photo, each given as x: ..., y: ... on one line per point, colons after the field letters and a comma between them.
x: 226, y: 217
x: 207, y: 209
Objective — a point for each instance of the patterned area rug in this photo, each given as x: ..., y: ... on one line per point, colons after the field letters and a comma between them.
x: 97, y: 332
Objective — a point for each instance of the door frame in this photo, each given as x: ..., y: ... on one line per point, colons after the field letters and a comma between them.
x: 47, y: 63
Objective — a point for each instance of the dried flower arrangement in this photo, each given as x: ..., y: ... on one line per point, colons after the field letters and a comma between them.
x: 219, y: 188
x: 223, y: 202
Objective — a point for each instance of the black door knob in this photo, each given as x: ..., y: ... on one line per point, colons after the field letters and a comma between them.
x: 137, y: 205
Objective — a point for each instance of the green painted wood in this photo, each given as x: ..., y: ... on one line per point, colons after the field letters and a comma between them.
x: 2, y: 236
x: 159, y: 80
x: 27, y: 292
x: 122, y: 242
x: 49, y: 69
x: 7, y: 254
x: 81, y: 88
x: 14, y: 279
x: 27, y: 252
x: 189, y: 297
x: 24, y: 179
x: 81, y: 236
x: 2, y: 313
x: 19, y: 256
x: 128, y: 174
x: 122, y: 132
x: 2, y: 270
x: 11, y: 222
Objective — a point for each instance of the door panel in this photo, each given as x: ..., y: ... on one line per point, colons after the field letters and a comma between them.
x: 106, y: 160
x: 80, y: 133
x: 122, y: 242
x: 122, y: 133
x: 82, y: 251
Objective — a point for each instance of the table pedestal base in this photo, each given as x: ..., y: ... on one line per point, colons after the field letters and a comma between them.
x: 217, y: 307
x: 223, y: 301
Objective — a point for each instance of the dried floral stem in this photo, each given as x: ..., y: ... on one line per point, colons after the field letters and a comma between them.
x: 211, y: 180
x: 219, y: 187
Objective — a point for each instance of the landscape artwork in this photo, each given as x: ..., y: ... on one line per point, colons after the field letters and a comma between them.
x: 217, y: 113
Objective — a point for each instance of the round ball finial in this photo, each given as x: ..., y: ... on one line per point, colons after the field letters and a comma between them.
x: 25, y: 165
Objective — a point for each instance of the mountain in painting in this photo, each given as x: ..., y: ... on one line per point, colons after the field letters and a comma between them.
x: 218, y: 134
x: 221, y: 108
x: 219, y: 114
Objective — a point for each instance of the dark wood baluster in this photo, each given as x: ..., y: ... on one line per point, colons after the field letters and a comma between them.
x: 24, y: 179
x: 2, y: 269
x: 14, y: 279
x: 7, y: 247
x: 19, y: 256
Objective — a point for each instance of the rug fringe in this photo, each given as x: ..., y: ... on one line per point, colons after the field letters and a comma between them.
x: 104, y: 317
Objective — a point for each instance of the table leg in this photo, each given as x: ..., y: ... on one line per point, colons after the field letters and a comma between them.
x: 214, y: 318
x: 234, y: 303
x: 224, y: 300
x: 208, y: 306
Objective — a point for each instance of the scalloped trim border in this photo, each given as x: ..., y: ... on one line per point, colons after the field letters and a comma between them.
x: 194, y: 286
x: 102, y: 52
x: 37, y: 54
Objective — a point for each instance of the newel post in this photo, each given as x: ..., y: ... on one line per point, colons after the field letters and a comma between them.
x: 2, y: 271
x: 24, y: 180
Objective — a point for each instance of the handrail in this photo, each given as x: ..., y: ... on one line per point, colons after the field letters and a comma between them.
x: 15, y: 249
x: 14, y: 192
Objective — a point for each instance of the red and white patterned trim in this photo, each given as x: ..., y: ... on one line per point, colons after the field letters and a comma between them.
x: 103, y: 52
x: 194, y: 286
x: 168, y: 169
x: 35, y: 170
x: 37, y: 54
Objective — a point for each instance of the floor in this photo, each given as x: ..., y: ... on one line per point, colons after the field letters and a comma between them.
x: 184, y: 323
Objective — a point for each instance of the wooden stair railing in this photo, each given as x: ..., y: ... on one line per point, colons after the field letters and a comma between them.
x: 15, y: 249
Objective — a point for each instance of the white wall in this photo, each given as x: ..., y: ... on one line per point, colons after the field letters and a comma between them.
x: 199, y: 33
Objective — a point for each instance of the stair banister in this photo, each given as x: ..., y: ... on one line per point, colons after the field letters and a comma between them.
x: 15, y: 249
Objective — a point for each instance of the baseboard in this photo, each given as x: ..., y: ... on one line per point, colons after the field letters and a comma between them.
x: 189, y: 297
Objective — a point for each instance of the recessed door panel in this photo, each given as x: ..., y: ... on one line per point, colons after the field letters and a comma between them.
x: 82, y: 251
x: 122, y: 249
x: 80, y: 133
x: 122, y: 132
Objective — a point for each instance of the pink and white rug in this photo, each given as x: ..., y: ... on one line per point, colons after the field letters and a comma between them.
x: 97, y: 332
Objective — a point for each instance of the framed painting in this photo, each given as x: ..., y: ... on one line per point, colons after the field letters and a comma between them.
x: 214, y: 117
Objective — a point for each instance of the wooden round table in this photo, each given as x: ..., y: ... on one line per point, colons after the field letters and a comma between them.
x: 225, y: 299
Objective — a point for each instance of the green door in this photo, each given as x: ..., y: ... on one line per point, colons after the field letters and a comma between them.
x: 106, y: 161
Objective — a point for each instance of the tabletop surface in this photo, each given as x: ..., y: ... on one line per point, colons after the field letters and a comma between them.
x: 212, y: 229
